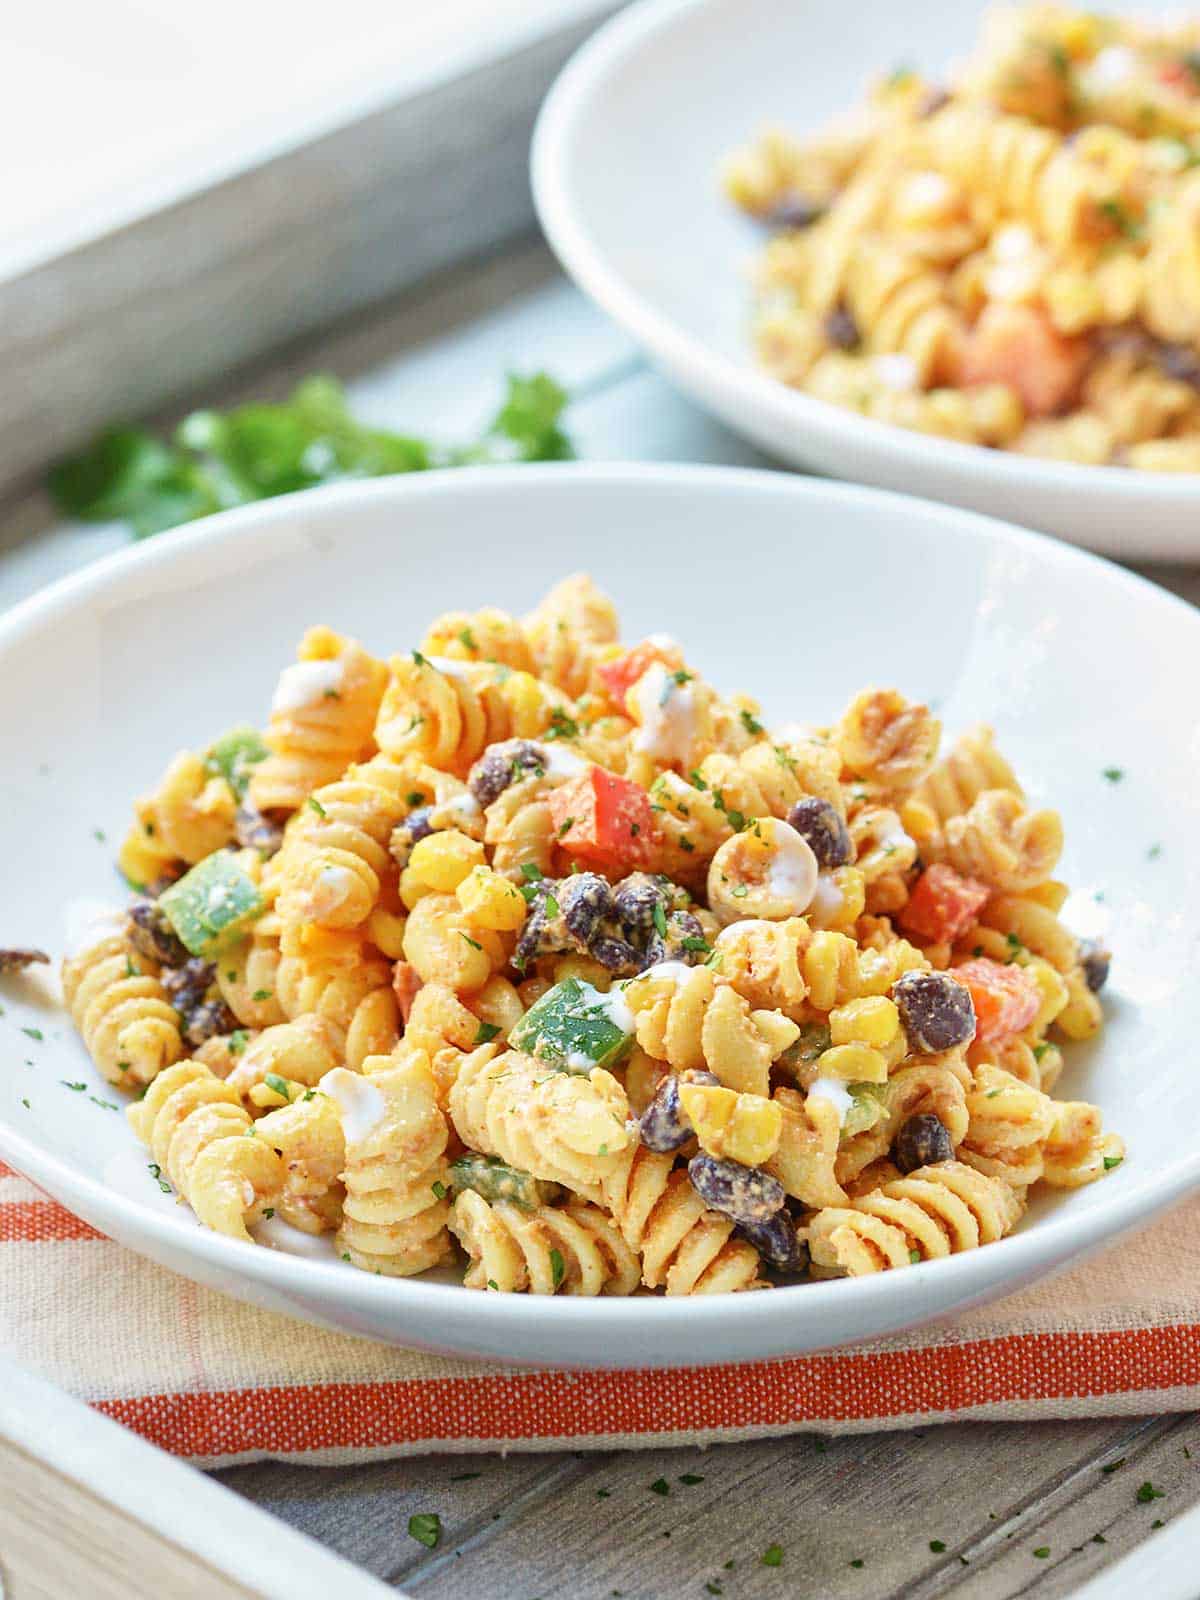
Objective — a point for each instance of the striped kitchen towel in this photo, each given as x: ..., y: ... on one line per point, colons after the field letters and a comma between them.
x: 219, y: 1382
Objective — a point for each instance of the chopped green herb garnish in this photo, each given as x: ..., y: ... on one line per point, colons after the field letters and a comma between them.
x: 1114, y: 774
x: 660, y: 1486
x: 530, y: 871
x: 278, y: 1084
x: 77, y: 1087
x: 750, y: 722
x: 695, y: 943
x: 492, y: 1284
x: 937, y: 1546
x: 566, y: 827
x: 315, y: 805
x: 691, y: 1477
x: 467, y: 639
x: 660, y: 919
x: 261, y: 994
x: 345, y: 1255
x: 439, y: 1189
x: 1113, y: 1465
x: 486, y: 1032
x: 772, y: 1556
x: 26, y: 1104
x: 561, y: 726
x: 155, y: 1172
x: 1042, y: 1551
x: 603, y: 1494
x: 474, y: 943
x: 552, y: 906
x: 557, y: 1267
x: 1148, y: 1492
x: 857, y: 1561
x: 740, y: 891
x: 238, y: 1041
x: 426, y: 1528
x: 1039, y: 1050
x: 414, y: 798
x: 1154, y: 852
x: 1112, y: 1161
x: 34, y: 1033
x: 105, y: 1105
x: 914, y: 1257
x: 1158, y: 1523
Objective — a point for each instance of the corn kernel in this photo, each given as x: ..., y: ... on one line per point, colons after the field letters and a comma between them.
x: 873, y: 1021
x: 856, y: 1063
x: 442, y: 860
x: 732, y: 1126
x: 778, y: 1031
x: 1054, y: 992
x: 491, y: 901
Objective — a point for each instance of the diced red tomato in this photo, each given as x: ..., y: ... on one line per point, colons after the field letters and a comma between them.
x: 943, y: 904
x: 621, y: 673
x: 405, y: 984
x: 1178, y: 75
x: 1019, y: 345
x: 604, y: 822
x: 1006, y: 998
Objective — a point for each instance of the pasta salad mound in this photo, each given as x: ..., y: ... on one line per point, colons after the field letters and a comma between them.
x: 530, y: 951
x: 1010, y: 260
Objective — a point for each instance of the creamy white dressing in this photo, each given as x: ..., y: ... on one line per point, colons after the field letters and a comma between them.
x: 793, y: 733
x: 664, y: 642
x: 676, y: 972
x: 578, y: 1061
x: 926, y: 191
x: 306, y: 683
x: 615, y: 1007
x: 562, y: 763
x: 1113, y: 67
x: 1012, y: 280
x: 248, y: 1192
x: 827, y: 898
x: 897, y: 372
x: 461, y: 805
x: 360, y: 1105
x: 1013, y: 241
x: 88, y: 922
x: 893, y: 837
x: 836, y: 1092
x: 666, y: 713
x: 451, y: 668
x: 792, y: 873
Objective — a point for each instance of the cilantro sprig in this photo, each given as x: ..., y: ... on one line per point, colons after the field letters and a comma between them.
x: 215, y: 460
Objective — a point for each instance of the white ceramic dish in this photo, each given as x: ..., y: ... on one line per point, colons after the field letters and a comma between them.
x: 625, y: 160
x: 798, y: 591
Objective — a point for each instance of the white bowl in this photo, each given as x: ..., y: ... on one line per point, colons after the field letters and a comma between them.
x: 798, y: 591
x: 625, y: 159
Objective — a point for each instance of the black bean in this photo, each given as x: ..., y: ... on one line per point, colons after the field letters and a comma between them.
x: 746, y: 1194
x: 683, y: 941
x: 922, y: 1141
x: 1180, y: 361
x: 777, y: 1242
x: 585, y: 900
x: 663, y: 1126
x: 937, y: 1012
x: 1095, y: 960
x: 208, y: 1020
x: 152, y: 936
x: 530, y: 944
x: 794, y: 211
x: 187, y: 985
x: 615, y: 954
x: 415, y: 827
x: 841, y: 330
x: 634, y: 901
x: 818, y: 823
x: 18, y: 960
x: 254, y: 831
x: 503, y: 764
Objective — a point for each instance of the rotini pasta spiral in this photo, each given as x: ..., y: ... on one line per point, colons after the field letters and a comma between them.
x: 1008, y: 1126
x: 935, y: 1211
x: 685, y: 1248
x: 335, y: 976
x: 1000, y: 843
x: 188, y: 816
x: 972, y: 765
x: 485, y: 635
x: 574, y: 1248
x: 322, y: 719
x: 559, y: 1126
x: 567, y: 631
x: 684, y: 1017
x: 206, y: 1144
x: 307, y: 1136
x: 121, y: 1010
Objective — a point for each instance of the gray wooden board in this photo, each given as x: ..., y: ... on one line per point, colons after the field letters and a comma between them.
x: 588, y: 1526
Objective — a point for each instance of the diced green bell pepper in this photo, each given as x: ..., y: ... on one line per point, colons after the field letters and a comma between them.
x: 495, y: 1180
x: 575, y: 1027
x: 869, y: 1108
x: 213, y: 904
x: 234, y: 756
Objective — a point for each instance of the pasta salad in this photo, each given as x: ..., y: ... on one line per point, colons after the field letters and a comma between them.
x: 1012, y: 260
x: 531, y: 951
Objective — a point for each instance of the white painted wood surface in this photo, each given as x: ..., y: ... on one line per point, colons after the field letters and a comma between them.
x: 587, y: 1527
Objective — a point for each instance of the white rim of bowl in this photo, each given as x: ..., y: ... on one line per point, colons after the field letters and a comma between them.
x: 973, y: 1275
x: 591, y: 65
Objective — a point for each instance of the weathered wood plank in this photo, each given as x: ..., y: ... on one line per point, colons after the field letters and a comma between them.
x: 362, y: 1512
x: 878, y: 1499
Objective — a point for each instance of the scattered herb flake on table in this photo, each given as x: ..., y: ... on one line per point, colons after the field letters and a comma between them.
x: 426, y: 1528
x: 772, y: 1556
x: 216, y: 460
